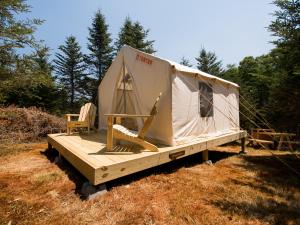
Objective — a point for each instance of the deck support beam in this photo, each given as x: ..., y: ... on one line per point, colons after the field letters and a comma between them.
x: 90, y: 191
x: 58, y: 159
x: 243, y: 146
x: 205, y: 155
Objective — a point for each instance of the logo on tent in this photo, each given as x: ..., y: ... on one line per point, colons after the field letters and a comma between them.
x: 143, y: 59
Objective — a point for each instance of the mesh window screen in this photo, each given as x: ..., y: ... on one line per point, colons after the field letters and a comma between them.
x: 125, y: 101
x: 206, y: 99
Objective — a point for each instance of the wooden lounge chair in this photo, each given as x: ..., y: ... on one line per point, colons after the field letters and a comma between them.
x: 117, y: 131
x: 86, y: 118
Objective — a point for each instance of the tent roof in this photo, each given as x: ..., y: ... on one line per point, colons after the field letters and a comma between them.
x: 185, y: 69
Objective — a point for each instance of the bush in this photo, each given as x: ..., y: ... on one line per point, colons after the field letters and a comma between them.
x: 27, y: 124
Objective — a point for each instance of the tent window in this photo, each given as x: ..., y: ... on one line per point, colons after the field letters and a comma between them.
x: 125, y: 100
x: 125, y: 83
x: 206, y: 99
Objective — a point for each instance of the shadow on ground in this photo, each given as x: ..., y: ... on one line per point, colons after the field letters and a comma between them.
x: 189, y: 161
x: 73, y: 174
x: 277, y: 188
x: 270, y: 194
x: 167, y: 168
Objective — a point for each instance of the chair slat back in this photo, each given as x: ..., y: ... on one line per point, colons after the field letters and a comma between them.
x: 83, y: 116
x: 148, y: 121
x: 81, y: 113
x: 88, y: 113
x: 93, y: 111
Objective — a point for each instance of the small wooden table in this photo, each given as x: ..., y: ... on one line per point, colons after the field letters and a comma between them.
x: 283, y: 138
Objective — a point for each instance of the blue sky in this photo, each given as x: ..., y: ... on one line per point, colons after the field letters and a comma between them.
x: 232, y: 29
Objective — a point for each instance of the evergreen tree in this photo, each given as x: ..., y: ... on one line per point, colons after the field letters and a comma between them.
x: 256, y: 76
x: 231, y: 73
x: 16, y: 33
x: 185, y: 62
x: 41, y: 58
x: 125, y: 35
x: 286, y: 27
x: 208, y: 62
x: 140, y: 36
x: 30, y: 85
x: 70, y: 69
x: 285, y: 95
x: 23, y: 79
x: 101, y: 53
x: 53, y: 98
x: 134, y: 35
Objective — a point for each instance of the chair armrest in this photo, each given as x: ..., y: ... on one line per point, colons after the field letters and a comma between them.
x: 125, y: 115
x: 67, y: 115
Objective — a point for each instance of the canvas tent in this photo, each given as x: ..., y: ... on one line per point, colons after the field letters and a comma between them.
x: 193, y: 105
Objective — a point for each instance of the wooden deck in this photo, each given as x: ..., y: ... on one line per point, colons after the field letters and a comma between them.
x: 87, y: 153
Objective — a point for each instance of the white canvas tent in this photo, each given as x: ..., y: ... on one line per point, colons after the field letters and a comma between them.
x: 193, y: 105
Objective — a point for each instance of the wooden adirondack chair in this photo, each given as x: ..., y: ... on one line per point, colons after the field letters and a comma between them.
x: 120, y: 132
x: 86, y: 118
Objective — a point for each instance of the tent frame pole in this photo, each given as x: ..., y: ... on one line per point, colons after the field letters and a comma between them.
x: 124, y: 91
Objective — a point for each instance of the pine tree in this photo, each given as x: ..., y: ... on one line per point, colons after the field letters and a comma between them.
x: 70, y: 69
x: 31, y: 83
x: 185, y: 62
x: 134, y: 35
x: 140, y: 36
x: 286, y: 27
x: 208, y: 62
x: 101, y: 53
x: 125, y: 35
x: 255, y: 79
x: 16, y: 33
x: 41, y: 58
x: 285, y: 95
x: 21, y: 81
x: 231, y: 73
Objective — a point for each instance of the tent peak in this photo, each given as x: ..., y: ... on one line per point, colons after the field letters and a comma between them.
x: 181, y: 68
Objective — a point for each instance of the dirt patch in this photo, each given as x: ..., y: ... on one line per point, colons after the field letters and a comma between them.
x: 251, y: 189
x: 25, y: 161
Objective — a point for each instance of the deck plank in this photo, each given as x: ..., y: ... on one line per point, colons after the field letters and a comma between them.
x: 87, y: 153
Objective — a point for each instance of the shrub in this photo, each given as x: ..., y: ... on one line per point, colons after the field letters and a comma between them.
x: 27, y: 124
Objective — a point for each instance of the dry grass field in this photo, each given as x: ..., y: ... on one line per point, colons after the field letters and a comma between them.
x: 237, y: 189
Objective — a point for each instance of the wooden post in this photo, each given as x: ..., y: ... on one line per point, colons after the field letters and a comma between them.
x: 280, y: 142
x: 118, y: 120
x: 243, y: 145
x: 109, y: 138
x: 49, y: 146
x: 205, y: 155
x: 289, y: 143
x: 68, y: 128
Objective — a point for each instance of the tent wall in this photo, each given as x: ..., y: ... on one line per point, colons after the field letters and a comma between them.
x: 188, y: 123
x: 106, y: 90
x: 179, y: 118
x: 149, y: 79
